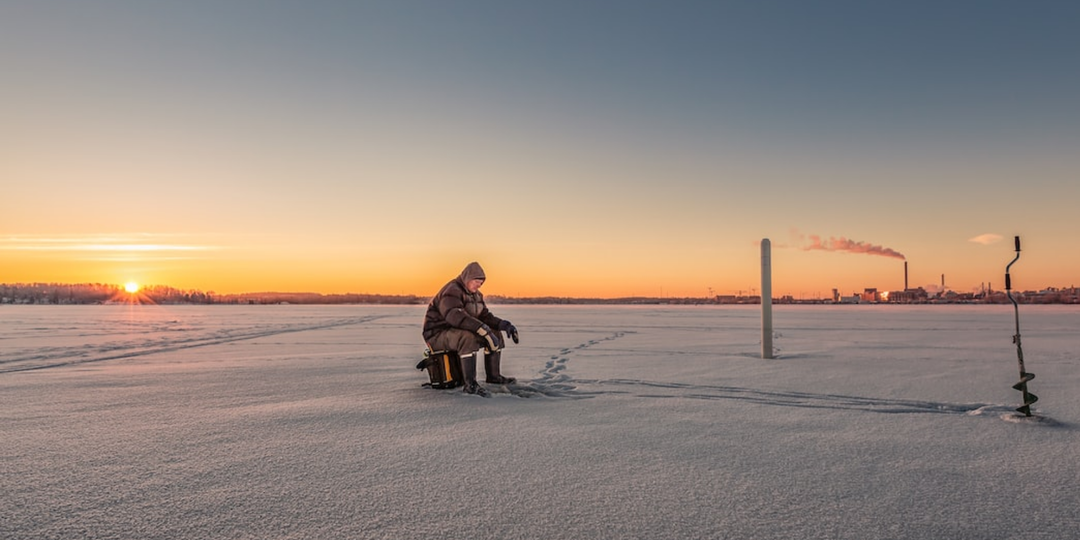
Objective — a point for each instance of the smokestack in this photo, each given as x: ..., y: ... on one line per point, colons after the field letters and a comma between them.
x: 942, y: 281
x: 905, y: 275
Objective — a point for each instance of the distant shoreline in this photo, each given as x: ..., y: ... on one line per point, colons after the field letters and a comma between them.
x: 96, y: 293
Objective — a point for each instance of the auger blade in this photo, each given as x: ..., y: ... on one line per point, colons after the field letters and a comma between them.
x: 1029, y: 398
x: 1023, y: 381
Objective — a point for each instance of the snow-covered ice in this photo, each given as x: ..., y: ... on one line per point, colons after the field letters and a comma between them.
x: 309, y: 422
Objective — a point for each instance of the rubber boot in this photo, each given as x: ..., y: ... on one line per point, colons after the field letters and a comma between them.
x: 492, y: 363
x: 468, y: 373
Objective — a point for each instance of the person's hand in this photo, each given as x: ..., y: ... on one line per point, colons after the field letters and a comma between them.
x: 491, y: 337
x: 510, y: 329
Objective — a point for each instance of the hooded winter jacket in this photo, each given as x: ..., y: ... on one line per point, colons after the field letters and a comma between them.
x: 455, y: 307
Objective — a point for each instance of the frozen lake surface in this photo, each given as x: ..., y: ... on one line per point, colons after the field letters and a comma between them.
x: 309, y: 422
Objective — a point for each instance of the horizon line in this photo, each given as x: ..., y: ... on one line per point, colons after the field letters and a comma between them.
x: 714, y: 297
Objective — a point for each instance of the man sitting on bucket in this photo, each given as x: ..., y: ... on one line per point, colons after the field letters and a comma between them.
x: 458, y: 320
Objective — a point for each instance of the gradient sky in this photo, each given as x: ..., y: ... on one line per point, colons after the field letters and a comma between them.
x: 573, y: 148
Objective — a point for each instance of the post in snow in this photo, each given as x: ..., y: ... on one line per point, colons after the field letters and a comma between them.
x: 766, y: 299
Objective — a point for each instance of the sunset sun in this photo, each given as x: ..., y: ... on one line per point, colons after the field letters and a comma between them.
x: 131, y: 287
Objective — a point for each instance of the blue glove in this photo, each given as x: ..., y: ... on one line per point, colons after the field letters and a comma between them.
x: 510, y: 329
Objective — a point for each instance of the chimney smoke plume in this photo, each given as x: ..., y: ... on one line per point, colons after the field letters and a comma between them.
x: 851, y: 246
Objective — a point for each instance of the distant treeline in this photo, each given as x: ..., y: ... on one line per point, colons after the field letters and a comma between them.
x: 100, y: 293
x: 564, y: 301
x: 316, y: 298
x: 59, y: 293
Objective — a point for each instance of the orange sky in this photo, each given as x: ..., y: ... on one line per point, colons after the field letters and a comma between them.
x: 578, y: 270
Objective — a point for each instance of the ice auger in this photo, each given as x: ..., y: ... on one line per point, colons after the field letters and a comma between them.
x: 1029, y: 398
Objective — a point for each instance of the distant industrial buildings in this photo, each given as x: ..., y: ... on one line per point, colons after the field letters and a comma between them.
x: 919, y: 295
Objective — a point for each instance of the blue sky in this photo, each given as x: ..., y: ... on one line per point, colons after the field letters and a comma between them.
x: 576, y: 147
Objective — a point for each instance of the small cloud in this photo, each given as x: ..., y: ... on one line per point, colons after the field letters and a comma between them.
x: 987, y: 239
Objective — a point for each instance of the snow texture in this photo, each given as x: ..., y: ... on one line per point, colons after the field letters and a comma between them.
x: 310, y: 422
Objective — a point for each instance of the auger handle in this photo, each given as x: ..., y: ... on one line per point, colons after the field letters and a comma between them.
x: 1008, y: 280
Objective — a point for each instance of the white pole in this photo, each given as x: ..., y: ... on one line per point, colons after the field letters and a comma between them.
x: 766, y: 299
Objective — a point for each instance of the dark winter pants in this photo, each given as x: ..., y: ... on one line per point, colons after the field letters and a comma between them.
x: 456, y: 339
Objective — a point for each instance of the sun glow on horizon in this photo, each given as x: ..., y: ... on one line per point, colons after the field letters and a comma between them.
x: 132, y: 287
